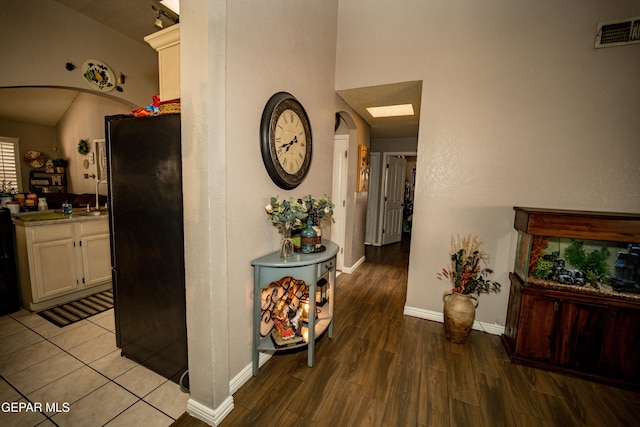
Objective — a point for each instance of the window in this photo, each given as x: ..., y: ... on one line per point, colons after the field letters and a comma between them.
x: 9, y: 164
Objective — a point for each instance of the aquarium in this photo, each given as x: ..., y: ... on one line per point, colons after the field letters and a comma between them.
x: 603, y: 265
x: 600, y: 251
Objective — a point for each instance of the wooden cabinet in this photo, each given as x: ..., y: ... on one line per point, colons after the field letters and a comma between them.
x: 311, y: 268
x: 62, y: 261
x: 586, y: 331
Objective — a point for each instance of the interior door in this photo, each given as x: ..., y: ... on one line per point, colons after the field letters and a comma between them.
x: 339, y: 195
x: 393, y: 199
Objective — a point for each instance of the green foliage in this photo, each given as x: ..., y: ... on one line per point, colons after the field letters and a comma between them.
x: 594, y: 264
x: 543, y: 268
x: 286, y: 214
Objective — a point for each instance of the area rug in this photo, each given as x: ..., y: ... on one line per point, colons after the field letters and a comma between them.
x: 66, y: 314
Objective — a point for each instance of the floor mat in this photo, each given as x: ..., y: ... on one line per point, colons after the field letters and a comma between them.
x: 71, y: 312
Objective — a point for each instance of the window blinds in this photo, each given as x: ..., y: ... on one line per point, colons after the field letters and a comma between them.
x: 8, y: 163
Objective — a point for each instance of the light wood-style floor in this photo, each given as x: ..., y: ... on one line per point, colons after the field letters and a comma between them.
x: 386, y: 369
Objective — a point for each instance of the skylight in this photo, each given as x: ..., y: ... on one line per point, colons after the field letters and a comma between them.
x: 391, y: 110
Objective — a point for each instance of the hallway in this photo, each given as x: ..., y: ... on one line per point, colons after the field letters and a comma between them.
x: 386, y: 369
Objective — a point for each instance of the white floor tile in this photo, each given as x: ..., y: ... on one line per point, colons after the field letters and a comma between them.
x: 140, y: 380
x: 141, y: 414
x: 70, y: 388
x: 26, y: 357
x: 113, y: 364
x: 97, y: 408
x: 95, y: 348
x: 169, y: 399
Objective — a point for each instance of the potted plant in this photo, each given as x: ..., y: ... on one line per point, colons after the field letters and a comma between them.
x: 60, y: 164
x: 6, y: 193
x: 286, y: 216
x: 469, y: 280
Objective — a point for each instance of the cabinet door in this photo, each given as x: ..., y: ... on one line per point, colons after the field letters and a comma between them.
x: 96, y: 260
x: 536, y: 327
x: 54, y: 269
x: 621, y: 345
x: 579, y: 336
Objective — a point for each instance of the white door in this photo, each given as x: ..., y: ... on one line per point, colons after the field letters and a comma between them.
x: 393, y: 199
x: 339, y: 195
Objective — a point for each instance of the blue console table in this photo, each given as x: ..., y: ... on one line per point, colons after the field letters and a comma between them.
x: 307, y: 267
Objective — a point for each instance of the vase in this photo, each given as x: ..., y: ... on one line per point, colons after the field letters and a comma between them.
x: 459, y: 315
x: 4, y: 200
x: 286, y: 245
x: 308, y: 238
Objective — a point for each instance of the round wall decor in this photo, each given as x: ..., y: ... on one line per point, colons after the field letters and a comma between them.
x: 98, y: 75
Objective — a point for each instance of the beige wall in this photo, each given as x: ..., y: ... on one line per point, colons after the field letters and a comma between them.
x: 518, y: 108
x: 244, y: 51
x: 84, y: 120
x: 40, y: 37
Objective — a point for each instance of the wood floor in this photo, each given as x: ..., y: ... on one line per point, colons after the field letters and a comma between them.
x: 385, y: 369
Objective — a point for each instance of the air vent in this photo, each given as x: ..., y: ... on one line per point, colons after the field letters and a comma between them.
x: 618, y: 33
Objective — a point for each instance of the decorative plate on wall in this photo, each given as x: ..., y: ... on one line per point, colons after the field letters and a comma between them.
x: 35, y: 159
x: 98, y: 75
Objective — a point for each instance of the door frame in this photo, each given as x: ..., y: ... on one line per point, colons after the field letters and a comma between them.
x: 339, y: 195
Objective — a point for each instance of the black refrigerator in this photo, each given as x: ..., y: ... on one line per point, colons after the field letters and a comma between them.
x: 144, y: 172
x: 9, y: 292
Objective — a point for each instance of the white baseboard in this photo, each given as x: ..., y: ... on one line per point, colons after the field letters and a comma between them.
x: 354, y: 267
x: 437, y: 316
x: 244, y: 375
x: 210, y: 416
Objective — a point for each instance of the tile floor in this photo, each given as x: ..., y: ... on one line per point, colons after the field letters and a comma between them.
x: 79, y: 369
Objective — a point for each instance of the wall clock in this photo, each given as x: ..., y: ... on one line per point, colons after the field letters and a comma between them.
x: 285, y: 140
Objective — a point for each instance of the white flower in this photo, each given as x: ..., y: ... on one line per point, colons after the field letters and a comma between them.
x: 269, y: 208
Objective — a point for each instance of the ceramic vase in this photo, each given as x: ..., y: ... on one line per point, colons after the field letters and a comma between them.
x: 459, y: 315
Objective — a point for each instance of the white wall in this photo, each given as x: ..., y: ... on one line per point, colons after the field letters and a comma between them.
x: 518, y: 109
x: 40, y: 37
x: 244, y: 51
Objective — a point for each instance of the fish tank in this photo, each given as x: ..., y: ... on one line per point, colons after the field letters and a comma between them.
x: 587, y: 252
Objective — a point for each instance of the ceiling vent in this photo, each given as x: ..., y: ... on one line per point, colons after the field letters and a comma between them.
x: 618, y: 33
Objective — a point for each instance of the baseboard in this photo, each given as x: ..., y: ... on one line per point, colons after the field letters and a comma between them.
x: 210, y: 416
x: 437, y: 316
x: 245, y: 374
x: 354, y: 267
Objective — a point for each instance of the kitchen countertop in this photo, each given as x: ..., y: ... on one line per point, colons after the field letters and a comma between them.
x: 50, y: 217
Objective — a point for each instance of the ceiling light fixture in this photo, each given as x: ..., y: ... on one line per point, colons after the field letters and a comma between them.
x: 158, y: 22
x: 391, y: 110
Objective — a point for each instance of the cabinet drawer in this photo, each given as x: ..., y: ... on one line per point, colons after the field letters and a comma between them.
x: 326, y: 266
x: 90, y: 228
x: 51, y: 232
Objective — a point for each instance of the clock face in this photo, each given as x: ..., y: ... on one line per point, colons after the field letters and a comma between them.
x: 291, y: 141
x: 285, y: 140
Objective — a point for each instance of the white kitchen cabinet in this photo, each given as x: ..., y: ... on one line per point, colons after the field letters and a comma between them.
x: 167, y: 43
x: 62, y: 261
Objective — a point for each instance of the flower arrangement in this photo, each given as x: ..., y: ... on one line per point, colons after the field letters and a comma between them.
x: 7, y: 190
x: 466, y: 274
x: 320, y: 208
x: 286, y: 214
